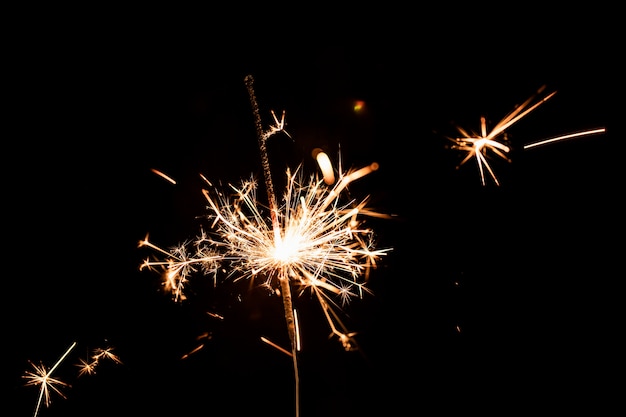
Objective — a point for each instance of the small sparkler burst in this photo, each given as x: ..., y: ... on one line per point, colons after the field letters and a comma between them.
x: 42, y: 376
x: 313, y: 241
x: 88, y: 366
x: 485, y: 145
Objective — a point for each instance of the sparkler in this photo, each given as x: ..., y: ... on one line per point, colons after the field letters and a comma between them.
x: 312, y: 241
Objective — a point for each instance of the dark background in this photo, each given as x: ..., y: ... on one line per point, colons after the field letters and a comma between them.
x: 493, y: 299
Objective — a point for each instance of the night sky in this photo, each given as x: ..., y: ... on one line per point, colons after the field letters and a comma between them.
x: 493, y: 299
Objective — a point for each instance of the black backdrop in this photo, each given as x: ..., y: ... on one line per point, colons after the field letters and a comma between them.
x: 494, y: 298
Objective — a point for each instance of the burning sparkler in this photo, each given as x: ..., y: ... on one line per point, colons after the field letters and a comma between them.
x: 312, y: 241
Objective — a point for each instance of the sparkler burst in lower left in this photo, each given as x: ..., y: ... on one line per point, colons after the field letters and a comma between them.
x: 42, y: 376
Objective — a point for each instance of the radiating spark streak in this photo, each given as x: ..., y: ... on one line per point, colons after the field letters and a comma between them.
x: 205, y: 335
x: 89, y: 367
x: 346, y: 338
x: 159, y: 173
x: 325, y: 165
x: 477, y: 145
x: 347, y: 179
x: 43, y: 377
x: 563, y: 137
x: 215, y: 315
x: 297, y: 326
x: 269, y: 342
x: 196, y: 349
x: 279, y: 127
x: 518, y: 113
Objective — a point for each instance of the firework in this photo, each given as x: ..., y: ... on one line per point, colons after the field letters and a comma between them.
x: 312, y: 241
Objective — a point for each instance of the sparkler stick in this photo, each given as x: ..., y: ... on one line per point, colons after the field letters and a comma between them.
x: 283, y: 278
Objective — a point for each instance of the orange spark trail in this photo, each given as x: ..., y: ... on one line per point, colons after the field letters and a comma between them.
x: 563, y: 137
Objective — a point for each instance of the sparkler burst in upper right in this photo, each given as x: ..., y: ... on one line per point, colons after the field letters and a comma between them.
x: 481, y: 146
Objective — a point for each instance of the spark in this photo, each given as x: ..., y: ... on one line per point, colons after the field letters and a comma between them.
x: 194, y: 350
x: 269, y: 342
x: 43, y: 377
x: 86, y: 367
x: 478, y: 145
x: 314, y: 240
x: 325, y: 165
x: 101, y: 353
x: 563, y: 137
x: 162, y: 175
x: 295, y: 316
x: 215, y: 315
x: 206, y: 336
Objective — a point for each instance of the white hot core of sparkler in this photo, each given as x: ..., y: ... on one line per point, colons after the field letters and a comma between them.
x: 285, y: 250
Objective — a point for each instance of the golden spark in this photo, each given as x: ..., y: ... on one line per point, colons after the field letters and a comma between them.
x: 86, y: 367
x: 314, y: 241
x: 203, y: 336
x: 164, y: 176
x: 106, y: 353
x: 478, y: 145
x: 564, y: 137
x: 43, y: 377
x: 281, y: 349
